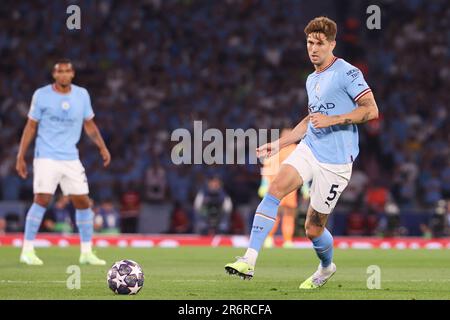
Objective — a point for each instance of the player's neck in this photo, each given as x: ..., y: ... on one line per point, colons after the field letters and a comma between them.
x: 325, y: 64
x: 62, y: 89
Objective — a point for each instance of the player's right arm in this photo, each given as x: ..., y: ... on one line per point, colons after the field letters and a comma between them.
x: 272, y: 148
x: 29, y: 132
x: 27, y: 137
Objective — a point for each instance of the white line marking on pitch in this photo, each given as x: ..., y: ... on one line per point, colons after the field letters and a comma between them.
x: 98, y: 281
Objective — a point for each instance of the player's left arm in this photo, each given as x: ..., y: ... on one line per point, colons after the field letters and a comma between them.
x: 94, y: 134
x: 367, y: 110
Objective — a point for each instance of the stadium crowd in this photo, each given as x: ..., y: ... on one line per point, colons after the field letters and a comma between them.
x: 155, y: 66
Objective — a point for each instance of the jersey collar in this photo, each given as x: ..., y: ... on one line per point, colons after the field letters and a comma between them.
x: 328, y: 66
x: 62, y: 93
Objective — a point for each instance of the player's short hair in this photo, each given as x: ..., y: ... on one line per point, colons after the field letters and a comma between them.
x: 322, y: 25
x: 63, y: 61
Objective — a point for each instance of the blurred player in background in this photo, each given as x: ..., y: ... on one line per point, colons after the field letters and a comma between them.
x: 213, y: 208
x: 288, y: 204
x: 57, y: 114
x: 338, y: 99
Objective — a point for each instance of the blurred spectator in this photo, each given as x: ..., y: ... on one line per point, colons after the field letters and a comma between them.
x: 237, y: 225
x: 2, y: 226
x: 180, y: 184
x: 404, y: 183
x: 213, y: 208
x: 130, y: 210
x: 10, y: 181
x: 356, y: 223
x: 377, y: 196
x: 155, y: 183
x: 12, y: 222
x: 179, y: 220
x: 426, y: 231
x: 389, y: 224
x: 432, y: 189
x: 356, y: 188
x: 106, y: 218
x: 373, y: 223
x: 59, y: 217
x: 438, y: 220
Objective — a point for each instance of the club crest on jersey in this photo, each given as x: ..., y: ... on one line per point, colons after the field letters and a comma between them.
x: 317, y: 88
x: 65, y: 105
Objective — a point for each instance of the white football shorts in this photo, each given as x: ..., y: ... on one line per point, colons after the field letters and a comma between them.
x: 328, y: 180
x: 69, y: 174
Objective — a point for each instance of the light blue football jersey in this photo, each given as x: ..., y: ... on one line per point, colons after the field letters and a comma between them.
x: 60, y: 121
x: 334, y: 91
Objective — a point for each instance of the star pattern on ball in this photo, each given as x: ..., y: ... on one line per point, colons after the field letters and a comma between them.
x: 135, y: 289
x: 135, y: 270
x: 130, y: 282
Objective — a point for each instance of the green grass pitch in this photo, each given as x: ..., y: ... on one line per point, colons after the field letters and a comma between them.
x: 198, y: 273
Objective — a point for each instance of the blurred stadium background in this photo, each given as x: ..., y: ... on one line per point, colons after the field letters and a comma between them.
x: 153, y: 66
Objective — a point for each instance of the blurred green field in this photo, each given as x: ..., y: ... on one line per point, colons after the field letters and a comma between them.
x: 198, y: 273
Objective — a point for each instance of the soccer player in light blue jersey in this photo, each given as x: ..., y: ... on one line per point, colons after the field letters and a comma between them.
x: 338, y: 99
x: 57, y: 114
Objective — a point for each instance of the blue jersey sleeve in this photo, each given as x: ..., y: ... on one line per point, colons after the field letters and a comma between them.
x: 36, y: 108
x: 88, y: 111
x: 354, y: 83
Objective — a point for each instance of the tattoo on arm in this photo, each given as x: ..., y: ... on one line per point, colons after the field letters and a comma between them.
x: 365, y: 117
x: 366, y: 101
x: 365, y: 104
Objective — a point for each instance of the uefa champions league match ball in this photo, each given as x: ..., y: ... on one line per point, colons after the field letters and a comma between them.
x: 125, y: 277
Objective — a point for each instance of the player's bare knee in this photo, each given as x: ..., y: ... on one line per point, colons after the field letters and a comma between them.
x: 43, y: 199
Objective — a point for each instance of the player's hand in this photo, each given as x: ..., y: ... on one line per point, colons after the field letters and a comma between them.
x: 106, y: 156
x: 21, y: 168
x: 267, y: 150
x: 320, y: 120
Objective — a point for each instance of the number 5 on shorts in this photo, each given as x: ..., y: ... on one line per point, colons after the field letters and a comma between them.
x: 333, y: 194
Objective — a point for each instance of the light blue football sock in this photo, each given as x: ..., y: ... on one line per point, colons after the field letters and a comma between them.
x: 263, y: 222
x: 33, y: 221
x: 85, y: 223
x: 324, y: 247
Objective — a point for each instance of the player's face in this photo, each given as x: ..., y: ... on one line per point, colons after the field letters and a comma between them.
x: 63, y: 74
x: 319, y: 48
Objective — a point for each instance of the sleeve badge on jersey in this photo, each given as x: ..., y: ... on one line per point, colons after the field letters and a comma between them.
x: 353, y: 74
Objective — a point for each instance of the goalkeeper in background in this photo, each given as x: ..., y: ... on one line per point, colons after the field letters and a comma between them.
x: 288, y: 204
